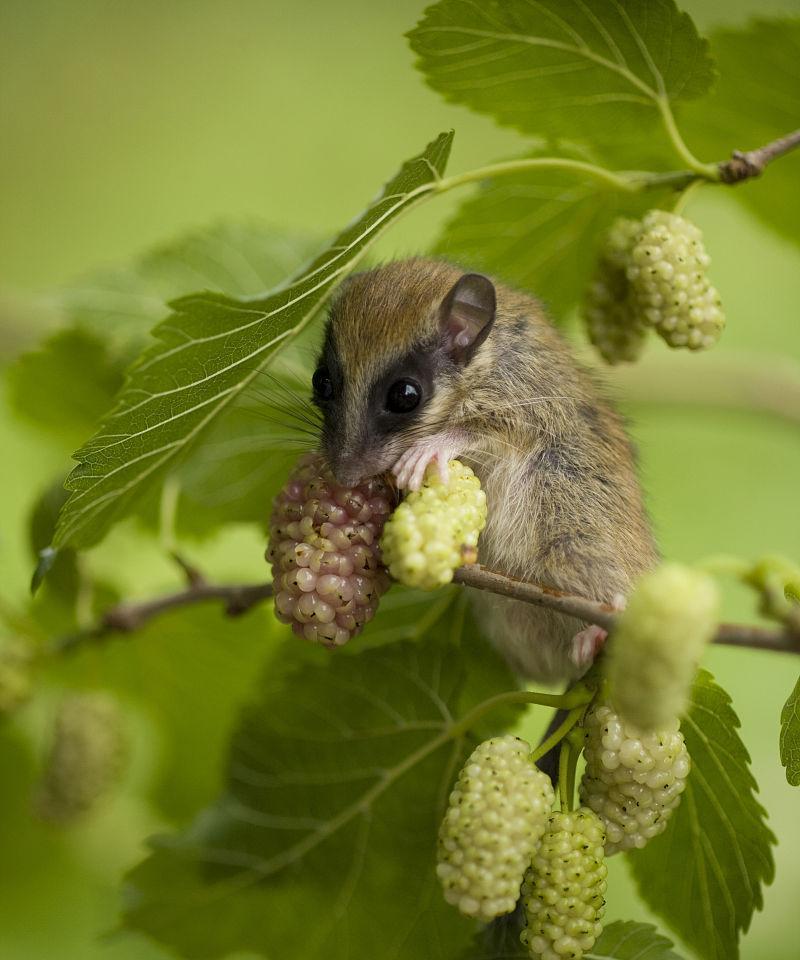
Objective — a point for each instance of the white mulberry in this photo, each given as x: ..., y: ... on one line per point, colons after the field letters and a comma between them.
x: 611, y: 320
x: 657, y: 644
x: 633, y: 781
x: 497, y: 812
x: 564, y: 891
x: 323, y: 547
x: 426, y: 537
x: 669, y: 284
x: 86, y: 757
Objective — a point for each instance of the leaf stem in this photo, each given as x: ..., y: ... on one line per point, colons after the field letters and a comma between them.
x: 620, y: 181
x: 708, y: 171
x: 574, y: 699
x: 685, y: 195
x: 558, y: 734
x: 742, y: 166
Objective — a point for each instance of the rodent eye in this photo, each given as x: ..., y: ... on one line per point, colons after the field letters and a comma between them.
x: 322, y: 384
x: 403, y: 396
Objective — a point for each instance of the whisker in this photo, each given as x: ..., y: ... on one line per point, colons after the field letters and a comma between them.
x: 276, y: 410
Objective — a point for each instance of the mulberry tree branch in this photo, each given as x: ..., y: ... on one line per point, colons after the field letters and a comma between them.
x: 129, y: 616
x: 237, y: 599
x: 744, y: 165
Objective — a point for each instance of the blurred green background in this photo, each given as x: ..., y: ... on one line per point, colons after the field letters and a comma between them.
x: 124, y: 124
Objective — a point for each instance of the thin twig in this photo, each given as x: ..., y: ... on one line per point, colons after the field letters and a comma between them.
x: 603, y: 614
x: 237, y: 599
x: 129, y: 616
x: 744, y: 165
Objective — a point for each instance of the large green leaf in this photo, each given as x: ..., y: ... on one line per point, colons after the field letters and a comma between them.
x: 539, y: 230
x: 756, y: 100
x: 621, y: 940
x: 233, y: 474
x: 704, y: 874
x: 588, y: 72
x: 336, y: 782
x: 207, y: 353
x: 790, y: 736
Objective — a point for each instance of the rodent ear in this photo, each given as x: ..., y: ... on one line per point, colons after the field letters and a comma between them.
x: 466, y: 315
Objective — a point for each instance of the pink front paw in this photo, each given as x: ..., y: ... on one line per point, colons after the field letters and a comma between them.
x: 586, y: 644
x: 409, y: 470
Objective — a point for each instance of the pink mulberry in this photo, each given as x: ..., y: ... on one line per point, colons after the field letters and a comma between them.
x: 323, y: 547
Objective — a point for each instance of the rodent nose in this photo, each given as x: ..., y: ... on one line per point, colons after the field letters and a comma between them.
x: 347, y: 471
x: 347, y: 478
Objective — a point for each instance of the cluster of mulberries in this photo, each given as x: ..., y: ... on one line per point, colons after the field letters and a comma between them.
x: 323, y: 547
x: 86, y: 757
x: 496, y: 816
x: 633, y: 781
x: 563, y: 892
x: 435, y: 529
x: 658, y: 641
x: 652, y: 273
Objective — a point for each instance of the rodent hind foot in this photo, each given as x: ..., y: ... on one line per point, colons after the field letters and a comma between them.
x: 586, y: 644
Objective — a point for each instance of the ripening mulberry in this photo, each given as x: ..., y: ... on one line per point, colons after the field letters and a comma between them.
x: 427, y: 535
x: 86, y: 757
x: 323, y: 547
x: 564, y: 891
x: 633, y: 781
x: 497, y: 813
x: 657, y: 644
x: 611, y: 320
x: 669, y: 283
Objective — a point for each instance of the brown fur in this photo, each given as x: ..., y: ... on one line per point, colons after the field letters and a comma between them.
x: 565, y: 505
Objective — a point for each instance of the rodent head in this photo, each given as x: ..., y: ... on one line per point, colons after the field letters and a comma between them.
x: 399, y: 344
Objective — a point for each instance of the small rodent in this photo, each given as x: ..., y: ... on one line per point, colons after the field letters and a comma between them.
x: 424, y: 362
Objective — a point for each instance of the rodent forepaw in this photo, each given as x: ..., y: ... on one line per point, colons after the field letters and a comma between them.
x: 409, y: 470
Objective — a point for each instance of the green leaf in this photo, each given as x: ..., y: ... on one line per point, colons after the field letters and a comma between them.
x: 790, y: 736
x: 206, y: 354
x: 626, y: 940
x: 704, y: 874
x: 498, y: 940
x: 621, y: 940
x: 587, y: 72
x: 232, y: 476
x: 241, y: 259
x: 337, y: 778
x: 66, y: 384
x: 756, y: 101
x: 58, y: 567
x: 540, y: 230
